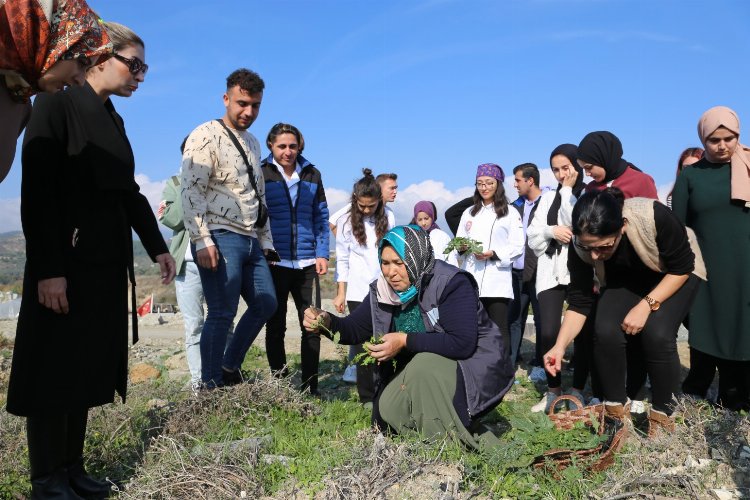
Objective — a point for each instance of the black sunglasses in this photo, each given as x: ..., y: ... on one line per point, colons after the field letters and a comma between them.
x: 134, y: 65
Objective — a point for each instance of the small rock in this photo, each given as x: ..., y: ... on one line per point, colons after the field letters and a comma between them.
x: 176, y: 362
x: 724, y: 494
x: 244, y: 446
x: 690, y: 462
x: 157, y: 404
x: 277, y: 459
x: 143, y: 372
x: 743, y: 451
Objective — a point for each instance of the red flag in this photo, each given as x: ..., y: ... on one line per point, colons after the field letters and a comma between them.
x: 146, y: 307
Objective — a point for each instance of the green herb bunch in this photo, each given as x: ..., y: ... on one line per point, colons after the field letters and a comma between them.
x: 364, y: 358
x: 459, y: 242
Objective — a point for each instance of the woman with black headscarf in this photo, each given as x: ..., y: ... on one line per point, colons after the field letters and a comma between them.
x: 600, y: 156
x: 549, y: 235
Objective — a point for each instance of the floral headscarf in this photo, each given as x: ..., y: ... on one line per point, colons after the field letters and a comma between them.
x: 35, y: 34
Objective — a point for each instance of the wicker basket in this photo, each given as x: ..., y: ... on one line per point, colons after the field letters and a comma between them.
x: 596, y: 459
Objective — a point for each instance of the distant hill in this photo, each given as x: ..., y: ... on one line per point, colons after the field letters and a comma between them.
x: 13, y: 258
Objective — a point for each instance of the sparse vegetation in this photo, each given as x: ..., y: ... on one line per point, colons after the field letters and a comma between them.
x: 265, y: 438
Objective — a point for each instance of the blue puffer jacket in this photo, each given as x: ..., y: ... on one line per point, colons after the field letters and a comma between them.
x: 300, y: 226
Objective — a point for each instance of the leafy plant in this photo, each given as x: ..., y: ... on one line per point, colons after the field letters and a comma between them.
x: 364, y: 358
x: 460, y: 243
x: 532, y: 434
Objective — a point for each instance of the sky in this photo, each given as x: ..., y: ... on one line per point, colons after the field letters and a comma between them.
x: 430, y: 89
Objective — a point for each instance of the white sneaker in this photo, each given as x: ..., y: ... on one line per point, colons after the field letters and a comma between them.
x: 350, y: 374
x: 538, y: 374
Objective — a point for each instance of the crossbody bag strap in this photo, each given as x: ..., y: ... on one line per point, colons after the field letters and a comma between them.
x: 244, y: 156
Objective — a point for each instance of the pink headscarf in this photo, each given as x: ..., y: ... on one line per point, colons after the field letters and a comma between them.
x: 721, y: 116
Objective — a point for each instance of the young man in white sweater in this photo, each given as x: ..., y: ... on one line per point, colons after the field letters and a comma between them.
x: 223, y: 197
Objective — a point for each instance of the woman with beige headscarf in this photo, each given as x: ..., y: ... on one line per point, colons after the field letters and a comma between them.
x: 713, y: 198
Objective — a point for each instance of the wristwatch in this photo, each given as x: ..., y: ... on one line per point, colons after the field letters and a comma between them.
x: 653, y: 304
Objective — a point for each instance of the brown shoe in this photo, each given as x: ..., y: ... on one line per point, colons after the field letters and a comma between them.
x: 659, y: 422
x: 617, y: 410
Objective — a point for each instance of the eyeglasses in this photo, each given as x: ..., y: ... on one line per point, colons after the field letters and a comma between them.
x: 607, y: 247
x: 134, y: 64
x: 485, y: 185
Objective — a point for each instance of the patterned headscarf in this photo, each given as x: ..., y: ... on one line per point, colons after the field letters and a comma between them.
x: 413, y: 246
x: 428, y: 208
x: 721, y: 116
x: 35, y: 34
x: 491, y: 170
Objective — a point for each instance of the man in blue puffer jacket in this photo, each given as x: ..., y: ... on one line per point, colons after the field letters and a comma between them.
x: 298, y: 215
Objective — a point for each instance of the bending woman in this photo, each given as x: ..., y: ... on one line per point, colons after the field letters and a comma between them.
x: 79, y: 205
x: 451, y: 362
x: 647, y: 270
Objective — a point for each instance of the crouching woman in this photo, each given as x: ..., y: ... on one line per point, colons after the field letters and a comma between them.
x: 442, y: 363
x: 648, y: 271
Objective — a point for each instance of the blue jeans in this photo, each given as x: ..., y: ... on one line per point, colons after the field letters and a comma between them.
x: 523, y: 295
x: 189, y: 293
x: 242, y: 271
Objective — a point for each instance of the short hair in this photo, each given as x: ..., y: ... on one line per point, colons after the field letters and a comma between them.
x: 121, y: 36
x: 599, y: 213
x: 384, y: 177
x: 528, y: 171
x: 247, y: 80
x: 285, y: 128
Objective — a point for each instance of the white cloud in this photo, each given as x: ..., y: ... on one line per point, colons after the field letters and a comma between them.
x: 11, y: 210
x: 663, y: 191
x: 152, y: 190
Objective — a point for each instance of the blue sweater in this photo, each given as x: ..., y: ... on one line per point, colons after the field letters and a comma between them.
x: 299, y: 226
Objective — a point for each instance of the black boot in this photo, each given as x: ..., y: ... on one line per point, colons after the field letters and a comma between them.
x: 83, y: 484
x: 47, y: 443
x: 53, y: 486
x: 86, y: 486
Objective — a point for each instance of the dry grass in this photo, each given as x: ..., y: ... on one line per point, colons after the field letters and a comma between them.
x: 702, y: 454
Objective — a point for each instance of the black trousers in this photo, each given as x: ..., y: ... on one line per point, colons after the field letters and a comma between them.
x: 366, y: 383
x: 550, y: 308
x: 298, y: 282
x: 497, y: 309
x: 524, y: 293
x: 55, y: 441
x: 702, y: 372
x: 657, y: 343
x: 734, y: 379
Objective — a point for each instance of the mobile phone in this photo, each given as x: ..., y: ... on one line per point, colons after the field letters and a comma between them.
x: 273, y: 256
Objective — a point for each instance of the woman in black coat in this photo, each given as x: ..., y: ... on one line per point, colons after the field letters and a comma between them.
x: 79, y: 201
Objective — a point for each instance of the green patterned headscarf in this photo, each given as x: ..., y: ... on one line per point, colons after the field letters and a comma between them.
x: 412, y: 244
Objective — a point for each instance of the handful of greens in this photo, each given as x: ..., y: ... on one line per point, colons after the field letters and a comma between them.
x: 320, y: 325
x: 364, y: 358
x: 459, y: 242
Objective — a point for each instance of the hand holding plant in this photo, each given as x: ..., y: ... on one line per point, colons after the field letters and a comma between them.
x: 462, y: 244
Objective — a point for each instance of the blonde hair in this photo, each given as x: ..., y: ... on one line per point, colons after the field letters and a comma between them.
x: 122, y: 36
